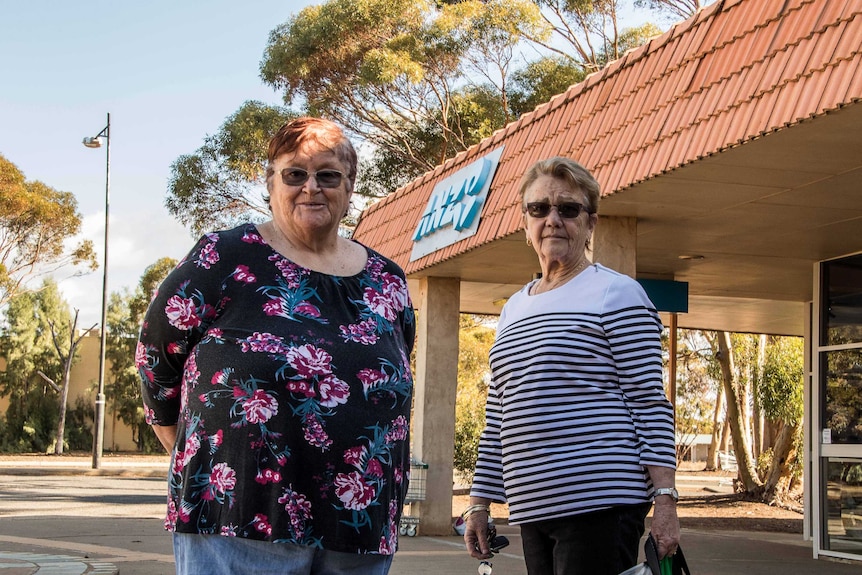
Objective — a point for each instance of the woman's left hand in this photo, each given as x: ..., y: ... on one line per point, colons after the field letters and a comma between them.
x: 665, y: 526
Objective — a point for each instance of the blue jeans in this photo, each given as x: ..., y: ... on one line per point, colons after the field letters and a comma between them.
x: 598, y: 543
x: 217, y: 555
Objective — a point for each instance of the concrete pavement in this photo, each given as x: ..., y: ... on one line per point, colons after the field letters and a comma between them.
x: 60, y: 517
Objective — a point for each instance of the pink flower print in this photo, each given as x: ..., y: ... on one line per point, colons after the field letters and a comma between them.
x: 379, y: 304
x: 374, y: 266
x: 314, y: 433
x: 216, y: 440
x: 228, y: 531
x: 306, y: 309
x: 370, y: 378
x: 399, y: 430
x: 265, y: 476
x: 363, y: 332
x: 353, y: 491
x: 261, y: 524
x: 222, y: 480
x: 389, y: 541
x: 252, y: 238
x: 298, y: 509
x: 333, y: 391
x: 260, y: 407
x: 190, y: 371
x: 398, y: 474
x: 184, y: 512
x: 309, y: 360
x: 275, y: 307
x: 263, y: 342
x: 355, y: 456
x: 290, y: 271
x: 192, y: 446
x: 171, y: 516
x: 208, y: 256
x: 215, y: 333
x: 374, y: 468
x: 149, y: 415
x: 242, y: 274
x: 396, y: 290
x: 181, y: 313
x: 140, y: 355
x: 221, y: 377
x: 301, y: 387
x: 175, y: 347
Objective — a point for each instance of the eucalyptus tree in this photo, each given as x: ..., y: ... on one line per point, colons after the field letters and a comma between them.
x: 221, y: 183
x: 37, y: 224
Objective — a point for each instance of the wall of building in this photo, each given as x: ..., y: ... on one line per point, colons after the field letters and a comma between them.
x: 83, y: 383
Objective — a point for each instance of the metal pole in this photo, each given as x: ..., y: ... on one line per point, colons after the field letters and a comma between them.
x: 99, y: 419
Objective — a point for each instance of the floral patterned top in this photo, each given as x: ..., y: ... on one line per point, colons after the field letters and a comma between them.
x: 291, y: 390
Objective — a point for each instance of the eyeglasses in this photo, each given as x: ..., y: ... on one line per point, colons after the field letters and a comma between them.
x: 567, y: 210
x: 298, y: 176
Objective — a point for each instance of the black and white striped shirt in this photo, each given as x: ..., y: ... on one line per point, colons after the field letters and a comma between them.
x: 576, y: 407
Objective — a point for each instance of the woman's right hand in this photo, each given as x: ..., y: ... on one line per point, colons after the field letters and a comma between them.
x: 476, y: 535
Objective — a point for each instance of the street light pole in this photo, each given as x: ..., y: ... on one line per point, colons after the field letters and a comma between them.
x: 99, y: 419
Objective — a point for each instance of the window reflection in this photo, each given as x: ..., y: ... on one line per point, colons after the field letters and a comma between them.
x: 843, y: 521
x: 842, y: 317
x: 843, y: 396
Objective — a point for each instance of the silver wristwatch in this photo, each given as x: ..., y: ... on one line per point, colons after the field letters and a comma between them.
x: 674, y: 494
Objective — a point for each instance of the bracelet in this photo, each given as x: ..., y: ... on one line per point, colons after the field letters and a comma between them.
x: 475, y: 508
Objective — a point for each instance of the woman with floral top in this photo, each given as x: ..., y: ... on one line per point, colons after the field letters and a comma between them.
x: 275, y: 368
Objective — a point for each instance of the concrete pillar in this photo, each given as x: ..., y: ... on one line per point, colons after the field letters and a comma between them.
x: 435, y: 382
x: 615, y: 244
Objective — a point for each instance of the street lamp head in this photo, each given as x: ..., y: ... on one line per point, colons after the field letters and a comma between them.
x: 93, y: 142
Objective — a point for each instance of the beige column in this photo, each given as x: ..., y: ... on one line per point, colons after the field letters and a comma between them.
x: 435, y: 382
x: 615, y: 244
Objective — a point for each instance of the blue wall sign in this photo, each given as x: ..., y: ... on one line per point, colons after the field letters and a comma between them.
x: 452, y: 212
x: 667, y: 295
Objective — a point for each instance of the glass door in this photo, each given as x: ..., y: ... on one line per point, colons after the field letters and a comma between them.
x: 837, y: 409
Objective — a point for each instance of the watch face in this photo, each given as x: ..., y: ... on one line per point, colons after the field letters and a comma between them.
x: 668, y: 491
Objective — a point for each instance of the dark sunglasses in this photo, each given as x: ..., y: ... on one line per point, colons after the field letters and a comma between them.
x: 298, y: 176
x: 567, y: 210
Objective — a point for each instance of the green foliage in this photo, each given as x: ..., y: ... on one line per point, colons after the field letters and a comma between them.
x: 697, y: 388
x: 541, y: 80
x: 780, y: 389
x: 475, y: 337
x: 26, y: 343
x: 221, y: 184
x: 123, y: 388
x: 36, y: 222
x: 79, y: 423
x: 30, y: 424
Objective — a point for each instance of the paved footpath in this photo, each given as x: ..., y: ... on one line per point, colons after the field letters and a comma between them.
x: 67, y: 519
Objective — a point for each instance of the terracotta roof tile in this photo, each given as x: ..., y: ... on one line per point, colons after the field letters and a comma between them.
x: 735, y: 71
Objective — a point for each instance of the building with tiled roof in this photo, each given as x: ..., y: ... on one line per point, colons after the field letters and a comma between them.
x: 729, y: 152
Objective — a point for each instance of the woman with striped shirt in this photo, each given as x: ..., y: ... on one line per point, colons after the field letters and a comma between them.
x: 579, y: 435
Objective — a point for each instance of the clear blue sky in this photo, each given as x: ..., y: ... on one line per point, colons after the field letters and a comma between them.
x: 168, y: 71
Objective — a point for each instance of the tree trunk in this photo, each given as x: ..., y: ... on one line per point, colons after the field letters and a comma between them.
x: 747, y: 473
x: 67, y: 371
x: 778, y: 479
x: 717, y: 426
x: 64, y: 398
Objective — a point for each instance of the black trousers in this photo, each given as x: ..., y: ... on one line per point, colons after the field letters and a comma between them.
x: 599, y: 543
